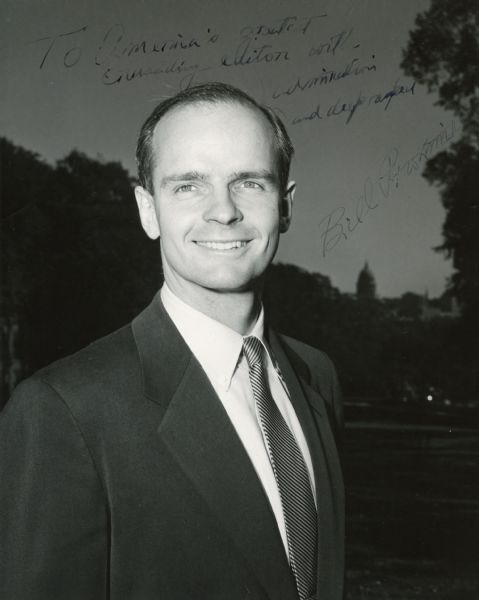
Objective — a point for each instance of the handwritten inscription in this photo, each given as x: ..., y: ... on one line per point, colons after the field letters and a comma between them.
x: 327, y: 76
x: 113, y: 76
x: 340, y: 223
x: 122, y: 58
x: 115, y: 48
x: 278, y: 27
x: 337, y: 41
x: 70, y: 56
x: 115, y: 45
x: 349, y: 108
x: 248, y: 54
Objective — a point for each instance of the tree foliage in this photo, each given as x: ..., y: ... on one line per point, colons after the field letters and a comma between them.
x: 377, y: 346
x: 76, y: 263
x: 443, y: 54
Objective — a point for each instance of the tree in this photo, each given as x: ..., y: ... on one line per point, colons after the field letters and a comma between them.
x: 410, y: 305
x: 443, y: 54
x: 76, y: 263
x: 25, y: 179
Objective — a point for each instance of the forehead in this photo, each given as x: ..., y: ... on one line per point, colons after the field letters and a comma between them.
x: 213, y: 131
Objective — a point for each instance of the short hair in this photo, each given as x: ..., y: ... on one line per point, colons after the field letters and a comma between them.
x: 213, y: 92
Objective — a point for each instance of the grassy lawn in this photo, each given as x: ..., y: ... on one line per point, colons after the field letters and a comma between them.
x: 412, y: 510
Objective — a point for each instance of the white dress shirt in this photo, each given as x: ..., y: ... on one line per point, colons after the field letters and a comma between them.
x: 218, y: 350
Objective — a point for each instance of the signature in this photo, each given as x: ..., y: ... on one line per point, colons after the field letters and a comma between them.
x: 340, y: 223
x: 392, y: 169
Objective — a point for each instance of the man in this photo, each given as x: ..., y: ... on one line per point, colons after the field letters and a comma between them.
x: 191, y: 454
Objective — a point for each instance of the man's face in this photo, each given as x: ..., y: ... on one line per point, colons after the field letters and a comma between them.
x: 217, y: 205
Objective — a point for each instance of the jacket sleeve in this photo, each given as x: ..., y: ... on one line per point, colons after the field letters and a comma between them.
x: 53, y: 513
x: 325, y: 379
x: 337, y: 403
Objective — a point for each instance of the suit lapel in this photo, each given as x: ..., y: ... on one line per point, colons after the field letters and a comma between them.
x: 199, y: 435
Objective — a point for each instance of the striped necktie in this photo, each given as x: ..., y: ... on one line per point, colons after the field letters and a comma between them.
x: 291, y: 475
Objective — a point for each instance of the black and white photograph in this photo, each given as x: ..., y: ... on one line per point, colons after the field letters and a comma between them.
x: 239, y: 315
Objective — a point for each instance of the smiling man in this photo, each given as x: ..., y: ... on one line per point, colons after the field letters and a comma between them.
x: 191, y: 454
x: 216, y: 201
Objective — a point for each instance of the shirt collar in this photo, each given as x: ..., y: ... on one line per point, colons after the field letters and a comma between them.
x: 216, y: 346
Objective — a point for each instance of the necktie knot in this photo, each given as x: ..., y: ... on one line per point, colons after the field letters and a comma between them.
x: 252, y: 348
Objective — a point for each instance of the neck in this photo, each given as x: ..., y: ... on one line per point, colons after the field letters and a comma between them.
x: 237, y: 310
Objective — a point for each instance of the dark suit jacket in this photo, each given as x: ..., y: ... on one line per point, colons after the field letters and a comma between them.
x: 122, y: 477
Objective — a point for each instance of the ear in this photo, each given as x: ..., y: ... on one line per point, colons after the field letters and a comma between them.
x: 146, y: 208
x: 286, y: 207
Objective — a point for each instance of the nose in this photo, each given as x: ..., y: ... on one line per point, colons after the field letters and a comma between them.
x: 222, y: 207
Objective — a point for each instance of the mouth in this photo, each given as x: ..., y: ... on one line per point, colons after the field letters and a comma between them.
x: 213, y: 245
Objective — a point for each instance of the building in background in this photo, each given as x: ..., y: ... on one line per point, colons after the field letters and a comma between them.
x: 366, y: 283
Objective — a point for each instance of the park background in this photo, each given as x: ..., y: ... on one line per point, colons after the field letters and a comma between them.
x: 380, y: 268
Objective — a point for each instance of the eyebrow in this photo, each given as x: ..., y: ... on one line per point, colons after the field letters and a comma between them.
x: 261, y: 174
x: 188, y: 176
x: 264, y: 174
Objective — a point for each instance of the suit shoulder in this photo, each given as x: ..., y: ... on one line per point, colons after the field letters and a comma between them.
x: 320, y: 372
x: 94, y: 388
x: 95, y: 376
x: 313, y: 357
x: 105, y: 357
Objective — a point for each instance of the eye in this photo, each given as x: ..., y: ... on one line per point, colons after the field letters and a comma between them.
x: 185, y: 188
x: 252, y: 185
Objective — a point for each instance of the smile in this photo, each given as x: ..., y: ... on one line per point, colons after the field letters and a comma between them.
x: 223, y: 245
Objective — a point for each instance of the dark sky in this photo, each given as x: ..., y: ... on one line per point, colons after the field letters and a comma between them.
x: 85, y: 74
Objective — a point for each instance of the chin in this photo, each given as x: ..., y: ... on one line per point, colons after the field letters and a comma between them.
x: 231, y: 282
